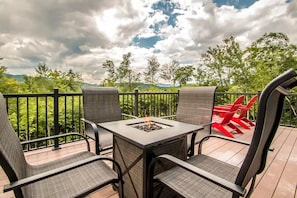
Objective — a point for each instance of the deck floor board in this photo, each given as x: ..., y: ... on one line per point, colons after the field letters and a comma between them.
x: 278, y: 179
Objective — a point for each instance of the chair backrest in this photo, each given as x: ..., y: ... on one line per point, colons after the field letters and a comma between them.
x: 12, y: 158
x: 269, y: 113
x: 195, y: 105
x: 101, y: 104
x: 252, y: 101
x: 248, y: 106
x: 236, y: 104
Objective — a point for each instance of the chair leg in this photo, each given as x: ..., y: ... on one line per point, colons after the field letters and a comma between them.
x: 121, y: 189
x: 222, y: 129
x: 239, y: 122
x: 248, y: 121
x: 235, y: 128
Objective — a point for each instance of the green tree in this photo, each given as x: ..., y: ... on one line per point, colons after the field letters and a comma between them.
x: 111, y: 73
x: 168, y: 71
x: 184, y: 74
x: 124, y: 67
x: 133, y: 79
x: 33, y: 84
x: 268, y: 57
x: 152, y: 69
x: 212, y: 60
x: 8, y: 84
x: 225, y: 65
x: 66, y: 82
x: 43, y: 70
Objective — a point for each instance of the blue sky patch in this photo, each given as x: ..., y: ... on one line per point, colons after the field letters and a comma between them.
x: 146, y: 42
x: 239, y: 4
x: 167, y: 8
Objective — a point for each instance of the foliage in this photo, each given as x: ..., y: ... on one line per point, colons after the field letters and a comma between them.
x: 111, y: 71
x: 7, y: 85
x: 184, y: 74
x: 152, y: 69
x: 269, y: 56
x: 168, y: 71
x: 248, y: 70
x: 124, y: 74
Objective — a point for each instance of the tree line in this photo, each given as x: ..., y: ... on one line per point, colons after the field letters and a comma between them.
x: 226, y: 65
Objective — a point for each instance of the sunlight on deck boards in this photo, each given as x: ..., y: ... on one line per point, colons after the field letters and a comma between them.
x: 278, y: 180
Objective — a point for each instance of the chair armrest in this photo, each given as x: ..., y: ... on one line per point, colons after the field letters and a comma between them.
x: 224, y: 138
x: 57, y: 136
x: 127, y: 115
x: 220, y: 137
x: 200, y: 172
x: 222, y: 107
x: 35, y: 178
x: 207, y: 124
x: 93, y: 125
x: 221, y: 110
x: 193, y: 137
x: 95, y: 130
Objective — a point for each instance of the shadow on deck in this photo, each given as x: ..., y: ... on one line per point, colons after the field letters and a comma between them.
x: 279, y: 179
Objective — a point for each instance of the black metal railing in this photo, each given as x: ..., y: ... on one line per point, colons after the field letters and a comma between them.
x: 41, y: 115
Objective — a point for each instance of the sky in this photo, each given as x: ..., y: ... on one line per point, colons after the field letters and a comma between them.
x: 82, y: 34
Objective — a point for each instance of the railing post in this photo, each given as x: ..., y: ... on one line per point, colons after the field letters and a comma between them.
x: 136, y: 102
x: 56, y: 118
x: 259, y: 93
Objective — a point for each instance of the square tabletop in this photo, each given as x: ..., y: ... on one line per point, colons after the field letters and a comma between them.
x: 127, y: 129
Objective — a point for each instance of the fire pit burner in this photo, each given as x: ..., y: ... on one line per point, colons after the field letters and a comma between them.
x: 148, y: 127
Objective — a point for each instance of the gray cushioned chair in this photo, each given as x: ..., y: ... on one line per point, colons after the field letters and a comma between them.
x: 195, y: 106
x: 100, y: 104
x: 73, y: 176
x: 204, y: 176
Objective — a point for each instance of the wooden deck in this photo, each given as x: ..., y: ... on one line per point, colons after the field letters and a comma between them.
x: 278, y: 180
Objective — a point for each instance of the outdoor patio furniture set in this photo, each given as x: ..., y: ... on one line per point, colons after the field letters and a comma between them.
x: 152, y: 157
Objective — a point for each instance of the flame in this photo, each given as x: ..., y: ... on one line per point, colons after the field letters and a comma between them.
x: 148, y: 121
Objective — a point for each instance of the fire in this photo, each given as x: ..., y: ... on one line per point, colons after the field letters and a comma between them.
x: 148, y: 121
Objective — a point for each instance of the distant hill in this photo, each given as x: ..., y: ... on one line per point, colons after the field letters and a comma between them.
x: 19, y: 78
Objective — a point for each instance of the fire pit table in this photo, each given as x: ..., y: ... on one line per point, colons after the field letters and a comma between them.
x: 137, y: 141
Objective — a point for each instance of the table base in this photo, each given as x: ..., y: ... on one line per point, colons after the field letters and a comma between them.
x: 134, y: 162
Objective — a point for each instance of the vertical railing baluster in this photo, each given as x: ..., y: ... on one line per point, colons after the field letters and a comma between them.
x: 18, y: 116
x: 80, y: 113
x: 28, y: 122
x: 72, y: 113
x: 37, y: 120
x: 56, y: 118
x: 65, y: 116
x: 47, y: 131
x: 136, y: 95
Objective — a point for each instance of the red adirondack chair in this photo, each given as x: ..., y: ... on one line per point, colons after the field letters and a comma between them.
x: 240, y: 117
x: 222, y: 118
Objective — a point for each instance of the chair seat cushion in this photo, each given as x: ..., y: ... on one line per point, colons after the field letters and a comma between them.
x: 71, y: 183
x: 190, y: 185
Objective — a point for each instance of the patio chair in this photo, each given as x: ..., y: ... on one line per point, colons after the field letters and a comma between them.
x: 100, y: 104
x: 73, y: 176
x: 195, y: 106
x: 222, y: 118
x: 205, y: 176
x: 240, y: 117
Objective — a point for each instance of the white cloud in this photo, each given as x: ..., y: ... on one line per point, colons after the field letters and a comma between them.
x: 81, y: 35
